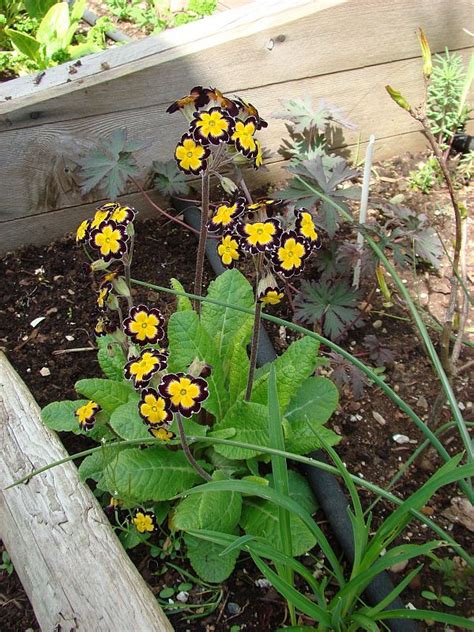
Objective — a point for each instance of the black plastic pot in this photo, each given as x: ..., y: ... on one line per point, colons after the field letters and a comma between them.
x: 324, y: 485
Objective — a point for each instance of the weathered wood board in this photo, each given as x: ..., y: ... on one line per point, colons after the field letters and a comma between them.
x: 344, y: 51
x: 73, y: 568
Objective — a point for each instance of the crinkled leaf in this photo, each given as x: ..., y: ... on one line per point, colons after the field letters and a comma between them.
x: 261, y: 517
x: 207, y: 561
x: 296, y: 364
x: 127, y: 423
x: 209, y: 510
x: 248, y: 423
x: 189, y: 340
x: 111, y: 357
x: 109, y: 394
x: 60, y: 416
x: 154, y: 473
x: 169, y: 180
x: 183, y: 302
x: 238, y: 370
x: 110, y: 166
x: 93, y: 466
x: 334, y: 305
x: 310, y: 408
x: 225, y: 324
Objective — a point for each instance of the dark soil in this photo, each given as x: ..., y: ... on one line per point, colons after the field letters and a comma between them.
x: 51, y: 282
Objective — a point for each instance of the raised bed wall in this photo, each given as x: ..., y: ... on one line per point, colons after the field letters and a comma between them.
x: 344, y: 51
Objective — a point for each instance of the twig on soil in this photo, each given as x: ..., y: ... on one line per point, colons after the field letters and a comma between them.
x: 74, y: 350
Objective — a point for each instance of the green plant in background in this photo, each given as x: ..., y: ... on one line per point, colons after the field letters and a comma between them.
x: 6, y: 564
x: 51, y: 41
x: 154, y: 16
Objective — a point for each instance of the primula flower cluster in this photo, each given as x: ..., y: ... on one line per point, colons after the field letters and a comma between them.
x: 284, y: 240
x: 161, y: 394
x: 215, y: 120
x: 106, y: 233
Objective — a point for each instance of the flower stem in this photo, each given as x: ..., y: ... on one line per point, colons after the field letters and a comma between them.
x: 256, y: 331
x: 184, y: 444
x: 202, y: 240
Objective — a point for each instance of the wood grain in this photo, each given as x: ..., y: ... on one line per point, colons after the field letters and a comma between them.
x: 42, y: 229
x: 258, y: 44
x: 73, y: 568
x: 42, y: 176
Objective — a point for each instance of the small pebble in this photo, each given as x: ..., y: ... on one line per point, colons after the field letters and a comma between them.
x: 233, y: 608
x: 182, y: 596
x: 400, y: 438
x: 44, y: 372
x: 377, y: 324
x: 422, y: 403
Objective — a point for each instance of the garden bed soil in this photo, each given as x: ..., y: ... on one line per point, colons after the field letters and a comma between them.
x: 51, y: 357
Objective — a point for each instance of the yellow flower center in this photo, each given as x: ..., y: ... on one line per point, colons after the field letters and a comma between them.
x: 183, y: 392
x: 290, y: 254
x: 260, y: 233
x: 144, y: 326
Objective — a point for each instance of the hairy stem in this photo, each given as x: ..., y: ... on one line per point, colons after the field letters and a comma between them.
x: 202, y: 240
x: 187, y: 452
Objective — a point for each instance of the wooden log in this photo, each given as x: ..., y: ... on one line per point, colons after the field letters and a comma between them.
x: 72, y: 566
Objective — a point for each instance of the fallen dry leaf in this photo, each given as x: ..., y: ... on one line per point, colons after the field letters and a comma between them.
x: 461, y: 512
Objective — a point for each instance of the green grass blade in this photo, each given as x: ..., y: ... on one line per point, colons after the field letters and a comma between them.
x: 291, y: 594
x: 280, y: 479
x: 427, y: 615
x: 399, y: 588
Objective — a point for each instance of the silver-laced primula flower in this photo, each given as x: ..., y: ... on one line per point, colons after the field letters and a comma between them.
x: 243, y: 137
x: 249, y: 110
x: 306, y: 228
x: 289, y: 257
x: 229, y: 250
x: 100, y: 328
x: 260, y: 236
x: 82, y: 233
x: 184, y: 392
x: 142, y: 368
x: 144, y: 521
x: 110, y: 239
x: 100, y: 216
x: 144, y: 325
x: 154, y: 409
x: 86, y: 415
x: 123, y: 215
x: 214, y: 126
x: 191, y: 155
x: 226, y: 215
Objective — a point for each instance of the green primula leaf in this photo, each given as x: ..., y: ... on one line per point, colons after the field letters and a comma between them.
x: 314, y: 402
x: 191, y: 428
x: 207, y: 561
x: 60, y: 416
x: 94, y: 464
x: 110, y: 166
x: 127, y: 423
x: 53, y: 29
x: 210, y: 510
x: 111, y: 357
x: 189, y: 340
x: 225, y: 324
x: 261, y: 517
x: 183, y: 302
x: 107, y: 393
x: 333, y: 305
x: 238, y: 370
x: 154, y: 473
x: 249, y: 421
x: 132, y: 538
x: 292, y: 368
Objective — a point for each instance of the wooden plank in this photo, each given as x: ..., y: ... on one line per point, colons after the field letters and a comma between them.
x: 42, y: 229
x: 42, y: 178
x: 72, y: 566
x: 257, y: 44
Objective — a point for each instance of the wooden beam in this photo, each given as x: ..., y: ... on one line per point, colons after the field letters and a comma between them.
x: 42, y: 229
x: 257, y: 44
x: 41, y: 177
x: 72, y: 566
